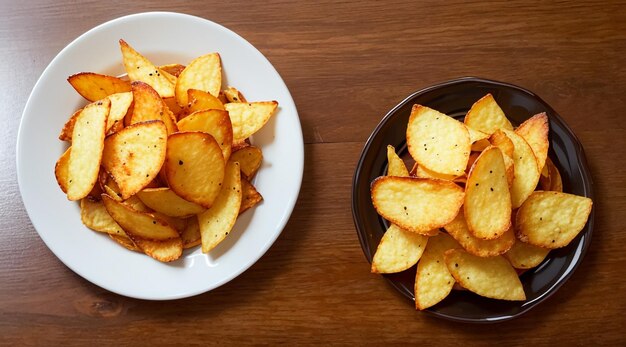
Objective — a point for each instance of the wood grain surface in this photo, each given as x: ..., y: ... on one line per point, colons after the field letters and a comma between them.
x: 346, y: 64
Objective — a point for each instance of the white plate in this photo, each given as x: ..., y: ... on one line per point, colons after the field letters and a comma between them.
x: 164, y: 38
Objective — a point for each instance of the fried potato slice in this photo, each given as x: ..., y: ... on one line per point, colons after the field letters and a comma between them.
x: 203, y: 73
x: 483, y: 248
x: 398, y: 250
x: 87, y: 143
x: 68, y: 127
x: 552, y: 219
x: 249, y: 195
x: 134, y: 155
x: 213, y: 122
x: 139, y: 68
x: 422, y: 172
x: 151, y: 234
x: 249, y: 159
x: 60, y: 169
x: 478, y: 139
x: 125, y: 241
x: 525, y: 256
x: 194, y: 167
x: 200, y: 100
x: 216, y: 222
x: 93, y: 86
x: 485, y: 115
x: 148, y: 106
x: 491, y: 277
x: 234, y: 95
x: 433, y: 281
x: 552, y: 181
x: 487, y: 205
x: 416, y: 204
x: 95, y: 216
x: 120, y: 103
x: 248, y: 118
x: 437, y: 142
x: 191, y: 234
x: 395, y: 165
x: 172, y: 105
x: 525, y: 168
x: 165, y: 201
x: 173, y: 69
x: 500, y: 140
x: 535, y: 131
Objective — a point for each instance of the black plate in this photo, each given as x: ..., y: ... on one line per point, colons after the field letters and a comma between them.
x: 455, y: 98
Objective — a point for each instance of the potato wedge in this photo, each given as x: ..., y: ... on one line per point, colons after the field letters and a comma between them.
x: 173, y: 69
x: 398, y: 250
x: 491, y: 277
x: 234, y: 95
x: 485, y: 115
x: 525, y: 256
x: 125, y: 241
x: 203, y: 73
x: 95, y: 216
x: 152, y: 235
x: 525, y: 167
x: 552, y: 219
x: 172, y: 105
x: 552, y: 181
x: 249, y: 159
x: 191, y: 234
x: 216, y: 222
x: 437, y: 142
x: 68, y: 127
x: 213, y: 122
x: 478, y: 139
x: 87, y: 143
x: 433, y: 281
x: 500, y: 140
x: 249, y: 195
x: 248, y: 118
x: 415, y: 204
x: 165, y: 201
x: 148, y: 106
x: 483, y: 248
x: 194, y: 167
x: 93, y: 86
x: 422, y: 172
x: 395, y: 165
x: 535, y: 131
x: 120, y: 103
x: 487, y: 205
x: 60, y: 169
x: 134, y: 155
x: 139, y: 68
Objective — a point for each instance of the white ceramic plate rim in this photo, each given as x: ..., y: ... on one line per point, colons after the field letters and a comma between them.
x: 164, y: 37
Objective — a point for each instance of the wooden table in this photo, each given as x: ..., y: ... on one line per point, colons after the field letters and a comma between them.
x: 346, y: 63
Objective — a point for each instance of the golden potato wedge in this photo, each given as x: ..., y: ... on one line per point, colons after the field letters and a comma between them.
x: 398, y: 250
x: 422, y: 172
x: 200, y: 100
x: 165, y: 201
x: 491, y: 277
x: 152, y: 235
x: 148, y: 106
x: 248, y: 118
x: 479, y: 139
x: 172, y: 105
x: 249, y: 159
x: 213, y: 122
x: 483, y: 248
x: 485, y: 115
x: 249, y: 195
x: 216, y: 222
x: 552, y: 219
x: 416, y: 204
x: 535, y: 131
x: 173, y: 69
x: 191, y: 234
x: 487, y: 205
x: 525, y: 256
x: 234, y: 95
x: 437, y: 142
x: 525, y: 168
x: 125, y: 241
x: 433, y: 281
x: 68, y: 127
x: 194, y: 167
x: 60, y: 169
x: 395, y: 165
x: 120, y: 103
x: 87, y: 143
x: 134, y: 155
x: 203, y: 73
x: 95, y: 216
x: 500, y: 140
x: 552, y: 181
x: 93, y: 86
x: 139, y: 68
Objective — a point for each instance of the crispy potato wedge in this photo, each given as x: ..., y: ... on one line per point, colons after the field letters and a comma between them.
x: 248, y: 118
x: 485, y: 115
x: 525, y: 256
x: 535, y: 131
x: 93, y: 86
x: 139, y: 68
x: 213, y: 122
x: 95, y: 216
x: 200, y: 100
x: 234, y: 95
x: 249, y: 195
x: 191, y: 234
x: 422, y: 172
x: 437, y: 142
x: 120, y: 103
x: 479, y: 139
x: 152, y: 235
x: 491, y: 277
x: 173, y: 69
x: 87, y: 142
x: 134, y: 155
x: 68, y: 127
x: 500, y: 140
x: 433, y: 281
x: 216, y: 222
x: 194, y: 167
x: 395, y: 165
x: 398, y: 250
x: 148, y: 106
x: 552, y: 219
x: 125, y: 241
x: 525, y: 168
x: 172, y: 105
x: 415, y: 204
x: 60, y: 169
x: 487, y: 205
x: 165, y: 201
x: 203, y: 73
x: 552, y: 181
x: 483, y: 248
x: 249, y: 159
